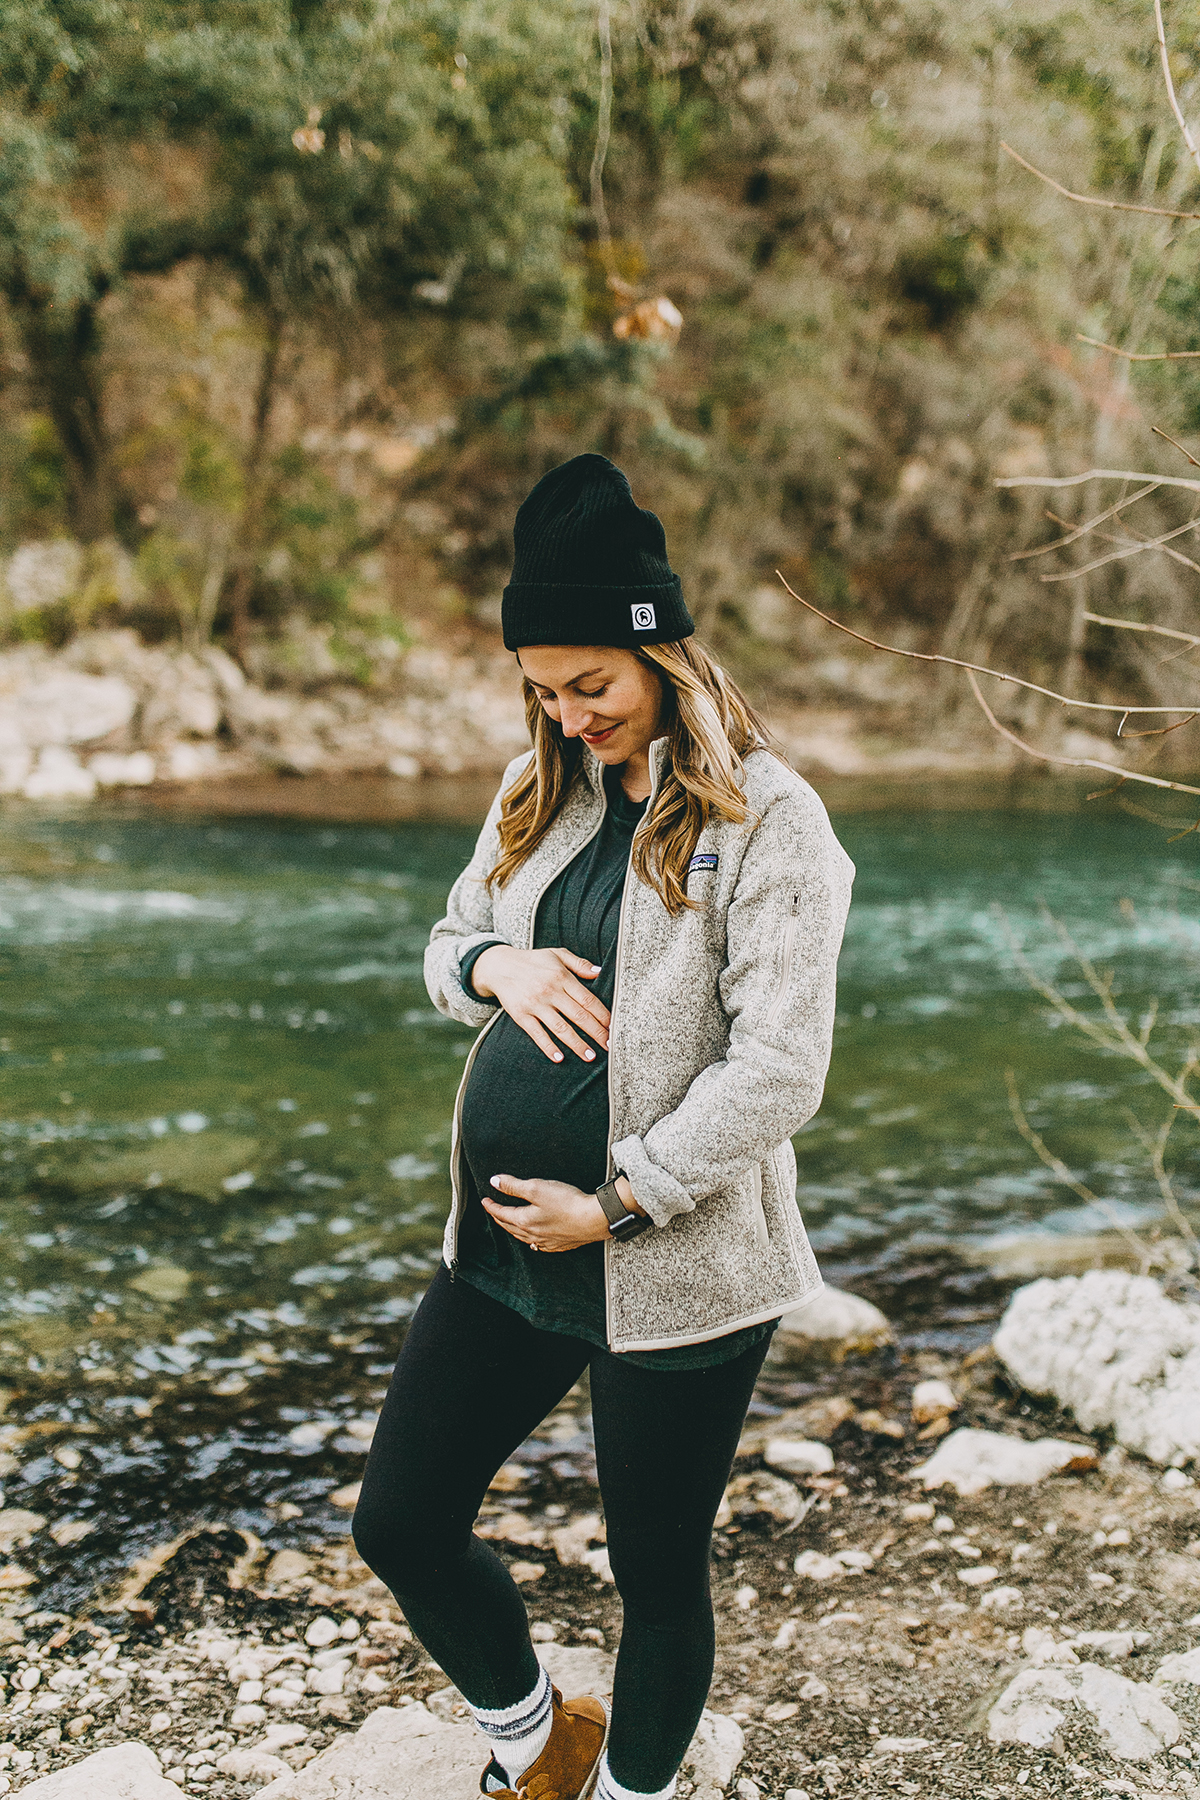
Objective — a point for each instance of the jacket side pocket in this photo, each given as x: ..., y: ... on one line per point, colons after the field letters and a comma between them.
x: 761, y: 1235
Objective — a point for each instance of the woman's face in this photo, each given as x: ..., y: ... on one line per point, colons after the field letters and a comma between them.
x: 610, y: 698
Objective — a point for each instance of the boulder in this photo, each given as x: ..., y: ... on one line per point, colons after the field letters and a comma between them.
x: 125, y: 1772
x: 832, y: 1325
x: 970, y: 1460
x: 46, y: 704
x: 1119, y: 1353
x: 1133, y: 1720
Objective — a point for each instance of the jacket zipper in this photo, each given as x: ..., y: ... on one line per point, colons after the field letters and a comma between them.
x: 654, y: 770
x: 789, y: 948
x: 456, y: 1183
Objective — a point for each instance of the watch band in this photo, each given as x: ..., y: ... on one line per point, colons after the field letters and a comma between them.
x: 622, y: 1223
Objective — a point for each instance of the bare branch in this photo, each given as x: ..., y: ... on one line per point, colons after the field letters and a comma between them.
x: 1126, y: 549
x: 957, y: 663
x: 1079, y: 531
x: 1141, y: 543
x: 1161, y: 212
x: 1136, y: 625
x: 1166, y: 69
x: 1110, y: 1034
x: 1059, y: 1168
x: 1139, y: 355
x: 1062, y: 481
x: 1073, y: 762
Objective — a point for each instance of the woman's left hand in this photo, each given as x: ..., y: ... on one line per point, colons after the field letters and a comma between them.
x: 557, y: 1216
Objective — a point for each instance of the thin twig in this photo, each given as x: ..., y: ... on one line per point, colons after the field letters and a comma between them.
x: 1074, y: 762
x: 1136, y: 625
x: 1139, y: 355
x: 1127, y: 549
x: 1114, y: 1034
x: 1161, y: 212
x: 1059, y: 1168
x: 1155, y: 1148
x: 1159, y: 432
x: 1165, y: 59
x: 1062, y: 481
x: 956, y: 662
x: 1079, y: 531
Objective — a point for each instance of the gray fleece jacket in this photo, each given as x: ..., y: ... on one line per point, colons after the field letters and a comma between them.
x: 722, y: 1020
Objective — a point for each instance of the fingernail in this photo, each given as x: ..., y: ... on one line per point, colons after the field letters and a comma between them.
x: 557, y: 1056
x: 591, y: 1055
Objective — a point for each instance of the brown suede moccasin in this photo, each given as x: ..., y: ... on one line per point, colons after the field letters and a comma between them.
x: 568, y: 1766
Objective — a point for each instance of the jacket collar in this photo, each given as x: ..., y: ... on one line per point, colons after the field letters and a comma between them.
x: 659, y: 754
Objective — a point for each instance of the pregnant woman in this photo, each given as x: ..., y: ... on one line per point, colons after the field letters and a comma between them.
x: 647, y: 932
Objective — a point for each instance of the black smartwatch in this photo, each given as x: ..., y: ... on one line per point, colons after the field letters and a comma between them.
x: 622, y: 1223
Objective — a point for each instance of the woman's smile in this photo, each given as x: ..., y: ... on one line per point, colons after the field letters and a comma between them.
x: 598, y: 737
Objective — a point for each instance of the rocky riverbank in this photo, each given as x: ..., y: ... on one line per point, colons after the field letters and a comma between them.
x: 109, y: 713
x: 1030, y: 1622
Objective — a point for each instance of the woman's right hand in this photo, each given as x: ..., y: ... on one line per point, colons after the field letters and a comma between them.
x: 542, y: 990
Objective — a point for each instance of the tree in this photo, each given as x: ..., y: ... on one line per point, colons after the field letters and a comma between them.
x: 333, y: 156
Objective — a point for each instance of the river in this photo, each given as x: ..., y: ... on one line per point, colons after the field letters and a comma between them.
x: 224, y: 1120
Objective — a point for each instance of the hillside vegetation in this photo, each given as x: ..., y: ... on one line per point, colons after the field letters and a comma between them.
x: 299, y: 300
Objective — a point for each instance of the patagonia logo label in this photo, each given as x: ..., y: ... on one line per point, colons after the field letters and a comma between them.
x: 706, y: 860
x: 643, y: 617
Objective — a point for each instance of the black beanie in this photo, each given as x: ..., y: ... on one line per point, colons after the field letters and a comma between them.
x: 591, y: 566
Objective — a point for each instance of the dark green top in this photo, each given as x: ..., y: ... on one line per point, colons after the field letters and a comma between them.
x: 526, y: 1116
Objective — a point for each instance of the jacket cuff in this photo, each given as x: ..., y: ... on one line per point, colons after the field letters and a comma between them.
x: 466, y: 969
x: 468, y: 1008
x: 659, y: 1193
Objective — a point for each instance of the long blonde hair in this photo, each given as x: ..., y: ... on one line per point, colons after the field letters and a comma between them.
x: 710, y: 725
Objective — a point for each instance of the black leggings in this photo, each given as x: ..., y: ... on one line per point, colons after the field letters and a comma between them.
x: 472, y: 1382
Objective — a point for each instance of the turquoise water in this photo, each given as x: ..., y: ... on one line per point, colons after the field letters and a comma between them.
x: 225, y: 1100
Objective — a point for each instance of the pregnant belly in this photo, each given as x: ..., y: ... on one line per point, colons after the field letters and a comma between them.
x: 523, y: 1115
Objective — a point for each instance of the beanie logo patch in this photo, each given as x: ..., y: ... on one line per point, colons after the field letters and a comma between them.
x: 643, y: 617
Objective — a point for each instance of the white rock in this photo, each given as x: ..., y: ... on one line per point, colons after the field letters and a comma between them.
x: 1174, y: 1481
x: 279, y: 1736
x: 322, y: 1631
x: 970, y: 1460
x: 242, y: 1718
x: 785, y: 1637
x: 578, y: 1668
x: 114, y: 770
x: 796, y: 1794
x: 58, y: 775
x: 248, y: 1692
x: 979, y: 1576
x: 1041, y: 1646
x: 1183, y: 1667
x: 713, y: 1755
x: 833, y: 1324
x: 798, y: 1456
x: 125, y: 1772
x: 813, y: 1688
x: 899, y: 1746
x: 1117, y: 1644
x: 327, y: 1681
x: 1113, y: 1348
x: 253, y: 1765
x: 1001, y: 1599
x: 747, y: 1789
x: 1131, y: 1718
x: 933, y: 1400
x: 815, y: 1567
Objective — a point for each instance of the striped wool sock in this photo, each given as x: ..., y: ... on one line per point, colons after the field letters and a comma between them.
x: 518, y: 1734
x: 607, y: 1788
